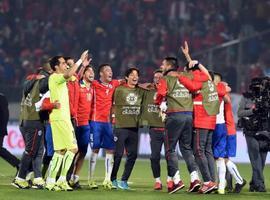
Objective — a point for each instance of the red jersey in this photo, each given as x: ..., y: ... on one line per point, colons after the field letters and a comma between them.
x: 85, y: 104
x: 73, y: 94
x: 229, y: 120
x: 200, y: 117
x: 102, y: 101
x: 47, y: 105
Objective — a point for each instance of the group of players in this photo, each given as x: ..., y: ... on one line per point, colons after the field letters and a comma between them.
x: 190, y: 108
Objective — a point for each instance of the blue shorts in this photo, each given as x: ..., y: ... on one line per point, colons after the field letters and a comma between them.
x: 83, y: 137
x: 49, y: 140
x: 101, y: 135
x: 219, y: 141
x: 231, y: 146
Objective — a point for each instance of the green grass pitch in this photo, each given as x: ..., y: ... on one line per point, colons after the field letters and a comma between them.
x: 141, y: 183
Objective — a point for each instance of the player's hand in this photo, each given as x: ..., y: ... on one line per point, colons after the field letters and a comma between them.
x: 40, y: 76
x: 192, y: 63
x: 87, y: 61
x: 163, y: 106
x: 84, y: 55
x: 56, y: 104
x: 185, y: 49
x: 163, y: 116
x: 146, y: 86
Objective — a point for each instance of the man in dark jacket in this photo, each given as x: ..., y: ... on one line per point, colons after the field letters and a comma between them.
x: 4, y: 116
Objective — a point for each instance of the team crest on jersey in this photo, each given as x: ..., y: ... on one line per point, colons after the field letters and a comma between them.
x: 131, y: 99
x: 39, y: 133
x: 211, y: 86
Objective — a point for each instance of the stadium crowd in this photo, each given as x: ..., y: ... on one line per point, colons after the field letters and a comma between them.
x: 123, y: 32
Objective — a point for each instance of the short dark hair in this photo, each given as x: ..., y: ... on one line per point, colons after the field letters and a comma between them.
x: 212, y: 74
x: 218, y: 74
x: 130, y: 70
x: 102, y: 66
x: 87, y: 67
x: 55, y: 61
x: 67, y: 58
x: 158, y: 71
x: 172, y: 61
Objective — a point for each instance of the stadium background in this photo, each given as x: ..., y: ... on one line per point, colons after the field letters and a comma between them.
x: 228, y: 36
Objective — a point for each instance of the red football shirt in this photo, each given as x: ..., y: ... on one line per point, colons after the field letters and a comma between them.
x: 85, y: 103
x: 102, y: 101
x: 73, y: 94
x: 229, y: 120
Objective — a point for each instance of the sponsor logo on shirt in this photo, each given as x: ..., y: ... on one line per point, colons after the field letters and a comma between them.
x: 211, y: 86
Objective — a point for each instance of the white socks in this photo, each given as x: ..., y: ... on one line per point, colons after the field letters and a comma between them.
x: 75, y: 178
x: 234, y: 172
x: 221, y: 170
x: 92, y: 164
x: 62, y: 179
x: 194, y: 176
x: 108, y: 166
x: 176, y: 177
x: 158, y: 180
x: 169, y: 178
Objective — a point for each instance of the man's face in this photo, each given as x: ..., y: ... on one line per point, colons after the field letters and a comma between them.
x: 62, y: 67
x: 106, y: 74
x: 217, y: 79
x: 157, y: 77
x: 89, y: 75
x: 165, y: 66
x: 70, y: 62
x: 133, y: 78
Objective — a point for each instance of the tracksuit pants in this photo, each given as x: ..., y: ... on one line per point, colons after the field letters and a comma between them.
x: 125, y: 139
x: 156, y: 142
x: 179, y: 129
x: 202, y: 147
x: 32, y: 132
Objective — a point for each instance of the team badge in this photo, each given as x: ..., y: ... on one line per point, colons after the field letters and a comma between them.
x: 131, y: 99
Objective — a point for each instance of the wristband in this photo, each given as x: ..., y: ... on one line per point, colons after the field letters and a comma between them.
x: 79, y: 62
x: 196, y: 65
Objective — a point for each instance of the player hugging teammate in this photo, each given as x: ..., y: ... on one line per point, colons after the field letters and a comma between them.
x: 190, y: 109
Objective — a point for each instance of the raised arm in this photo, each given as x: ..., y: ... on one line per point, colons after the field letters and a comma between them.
x: 86, y: 62
x: 204, y: 70
x: 192, y: 63
x: 71, y: 71
x: 191, y: 85
x: 185, y: 51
